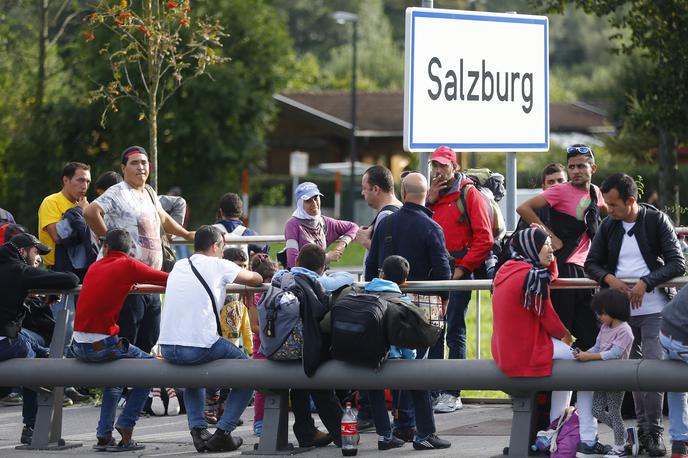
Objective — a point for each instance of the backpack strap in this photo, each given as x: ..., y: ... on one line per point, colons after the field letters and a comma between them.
x: 212, y: 298
x: 461, y: 205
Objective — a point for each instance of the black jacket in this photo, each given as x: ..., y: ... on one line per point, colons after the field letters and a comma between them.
x: 17, y: 278
x: 314, y: 304
x: 657, y: 242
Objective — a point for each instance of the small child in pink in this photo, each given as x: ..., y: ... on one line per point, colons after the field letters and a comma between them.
x: 262, y: 264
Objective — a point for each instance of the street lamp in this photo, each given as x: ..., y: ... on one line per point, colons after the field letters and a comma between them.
x: 342, y: 17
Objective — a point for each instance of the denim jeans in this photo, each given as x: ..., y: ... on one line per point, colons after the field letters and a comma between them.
x: 38, y: 343
x: 114, y: 348
x: 678, y: 407
x: 21, y: 347
x: 422, y: 408
x: 402, y: 401
x: 194, y: 398
x: 648, y: 404
x: 455, y: 326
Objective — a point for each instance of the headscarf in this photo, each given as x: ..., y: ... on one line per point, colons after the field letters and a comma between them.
x: 312, y: 225
x: 526, y: 246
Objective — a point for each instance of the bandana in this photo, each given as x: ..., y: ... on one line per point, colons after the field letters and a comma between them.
x: 526, y: 246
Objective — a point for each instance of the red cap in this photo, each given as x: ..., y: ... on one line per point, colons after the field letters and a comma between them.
x: 444, y: 155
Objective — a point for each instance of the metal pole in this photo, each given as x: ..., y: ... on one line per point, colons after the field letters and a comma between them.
x: 425, y: 156
x: 477, y: 324
x: 511, y: 187
x: 352, y: 145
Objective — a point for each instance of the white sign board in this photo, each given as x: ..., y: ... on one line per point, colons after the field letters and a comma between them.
x: 298, y: 164
x: 476, y: 81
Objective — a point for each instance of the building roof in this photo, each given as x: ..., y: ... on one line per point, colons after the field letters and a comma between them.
x: 381, y: 114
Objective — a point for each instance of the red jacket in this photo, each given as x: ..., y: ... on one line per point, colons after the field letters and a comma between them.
x: 476, y: 235
x: 106, y: 285
x: 521, y: 340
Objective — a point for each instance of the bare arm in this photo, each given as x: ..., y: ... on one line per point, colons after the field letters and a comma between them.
x: 51, y: 229
x: 248, y: 278
x: 527, y: 211
x: 93, y: 215
x: 173, y: 227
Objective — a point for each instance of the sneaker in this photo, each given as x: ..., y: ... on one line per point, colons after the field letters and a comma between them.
x: 679, y: 449
x: 26, y: 434
x: 585, y: 450
x: 632, y: 442
x: 258, y: 427
x: 616, y: 451
x: 222, y: 441
x: 157, y: 406
x: 320, y: 439
x: 210, y: 412
x: 75, y: 396
x: 66, y: 402
x: 431, y: 442
x: 365, y: 424
x: 448, y: 404
x: 121, y: 403
x: 655, y: 444
x: 405, y: 434
x: 173, y: 407
x: 200, y: 436
x: 12, y: 399
x: 384, y: 443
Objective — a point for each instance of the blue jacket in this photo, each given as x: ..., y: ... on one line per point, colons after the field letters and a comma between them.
x: 416, y: 237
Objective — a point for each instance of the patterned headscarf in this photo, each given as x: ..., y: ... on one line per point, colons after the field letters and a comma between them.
x: 526, y: 245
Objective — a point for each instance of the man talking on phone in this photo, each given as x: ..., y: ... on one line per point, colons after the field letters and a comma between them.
x: 468, y: 239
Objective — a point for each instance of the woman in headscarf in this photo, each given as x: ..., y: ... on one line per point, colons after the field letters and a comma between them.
x: 308, y: 225
x: 527, y: 332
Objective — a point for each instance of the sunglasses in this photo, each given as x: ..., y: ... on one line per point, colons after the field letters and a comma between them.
x: 574, y: 150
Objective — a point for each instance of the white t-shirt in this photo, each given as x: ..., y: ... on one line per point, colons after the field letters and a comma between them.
x: 187, y: 316
x: 632, y: 265
x: 134, y: 211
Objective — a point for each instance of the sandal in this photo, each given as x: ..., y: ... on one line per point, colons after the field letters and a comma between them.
x: 128, y: 447
x: 104, y: 443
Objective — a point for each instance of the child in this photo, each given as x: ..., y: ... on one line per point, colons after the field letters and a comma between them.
x: 262, y: 264
x: 613, y: 342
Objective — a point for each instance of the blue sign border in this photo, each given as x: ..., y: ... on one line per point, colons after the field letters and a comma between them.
x: 478, y: 17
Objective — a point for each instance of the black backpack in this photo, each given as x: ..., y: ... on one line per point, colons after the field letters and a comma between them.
x: 358, y: 329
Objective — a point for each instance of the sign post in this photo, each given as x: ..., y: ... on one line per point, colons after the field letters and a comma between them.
x: 298, y: 167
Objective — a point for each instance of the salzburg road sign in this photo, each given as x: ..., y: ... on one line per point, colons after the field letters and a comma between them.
x: 476, y: 81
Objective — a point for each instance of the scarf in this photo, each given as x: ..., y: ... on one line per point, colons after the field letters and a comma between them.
x: 526, y: 246
x: 314, y: 226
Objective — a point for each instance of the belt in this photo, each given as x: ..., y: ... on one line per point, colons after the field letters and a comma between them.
x: 108, y: 342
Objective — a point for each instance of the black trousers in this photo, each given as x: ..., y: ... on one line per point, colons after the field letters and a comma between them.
x: 329, y: 409
x: 139, y: 320
x: 573, y: 308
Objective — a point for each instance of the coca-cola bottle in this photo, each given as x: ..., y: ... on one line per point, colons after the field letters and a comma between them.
x: 349, y: 432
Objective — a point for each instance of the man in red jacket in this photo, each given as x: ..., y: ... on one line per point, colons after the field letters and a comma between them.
x: 469, y: 240
x: 106, y: 285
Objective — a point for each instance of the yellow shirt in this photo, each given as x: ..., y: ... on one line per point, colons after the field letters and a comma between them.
x: 50, y: 212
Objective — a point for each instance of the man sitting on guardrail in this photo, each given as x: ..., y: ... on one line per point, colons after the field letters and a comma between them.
x: 190, y: 332
x: 106, y: 285
x: 18, y: 275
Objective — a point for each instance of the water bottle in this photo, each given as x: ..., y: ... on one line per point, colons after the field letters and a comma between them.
x: 349, y: 432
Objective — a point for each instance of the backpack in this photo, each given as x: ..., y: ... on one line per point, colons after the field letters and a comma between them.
x: 237, y: 232
x: 358, y: 329
x: 408, y: 327
x: 491, y: 187
x: 564, y: 436
x: 281, y: 328
x: 9, y: 230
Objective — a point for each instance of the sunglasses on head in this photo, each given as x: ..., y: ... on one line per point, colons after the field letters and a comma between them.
x: 573, y: 150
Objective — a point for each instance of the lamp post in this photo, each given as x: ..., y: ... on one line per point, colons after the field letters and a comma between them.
x: 342, y: 17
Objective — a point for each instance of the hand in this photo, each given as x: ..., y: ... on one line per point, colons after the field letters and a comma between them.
x: 190, y: 236
x: 556, y: 242
x: 363, y: 235
x: 538, y: 226
x: 567, y: 339
x: 636, y: 294
x: 333, y: 255
x: 82, y: 203
x: 583, y: 356
x: 438, y: 184
x: 458, y: 274
x: 617, y: 284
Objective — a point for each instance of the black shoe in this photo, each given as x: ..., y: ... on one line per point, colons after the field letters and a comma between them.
x: 431, y: 442
x: 26, y: 434
x: 405, y: 434
x: 365, y: 424
x: 200, y: 436
x: 386, y: 444
x: 222, y: 441
x: 103, y: 443
x: 319, y: 439
x: 75, y: 396
x: 240, y: 422
x: 655, y: 444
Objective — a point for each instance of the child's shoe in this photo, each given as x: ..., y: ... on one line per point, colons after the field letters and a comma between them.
x: 616, y: 451
x: 258, y: 427
x: 632, y: 441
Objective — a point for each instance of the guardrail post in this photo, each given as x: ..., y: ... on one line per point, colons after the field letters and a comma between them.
x: 522, y: 425
x: 274, y: 438
x: 47, y: 432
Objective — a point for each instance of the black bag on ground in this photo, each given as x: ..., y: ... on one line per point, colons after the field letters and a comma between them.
x: 407, y: 326
x: 358, y: 329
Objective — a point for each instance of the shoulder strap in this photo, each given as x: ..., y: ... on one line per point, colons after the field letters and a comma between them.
x: 388, y: 246
x: 461, y: 205
x: 239, y: 230
x: 212, y: 298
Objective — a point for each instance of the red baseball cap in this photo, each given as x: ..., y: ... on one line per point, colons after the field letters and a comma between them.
x: 444, y: 155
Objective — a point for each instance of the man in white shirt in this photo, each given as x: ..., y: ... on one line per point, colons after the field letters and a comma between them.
x: 190, y: 331
x: 638, y: 241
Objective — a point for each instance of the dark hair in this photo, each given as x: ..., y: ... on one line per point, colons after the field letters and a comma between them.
x: 381, y: 177
x: 132, y: 150
x: 108, y: 179
x: 554, y: 167
x: 613, y: 303
x: 311, y: 257
x: 396, y: 269
x: 573, y: 151
x: 263, y: 265
x: 119, y: 240
x: 206, y: 236
x: 624, y: 185
x: 233, y: 254
x: 231, y: 205
x: 70, y: 168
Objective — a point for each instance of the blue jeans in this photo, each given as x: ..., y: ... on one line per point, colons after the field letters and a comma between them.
x: 194, y: 398
x: 678, y: 407
x: 112, y: 349
x: 38, y: 344
x: 455, y: 326
x: 21, y: 347
x: 422, y: 408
